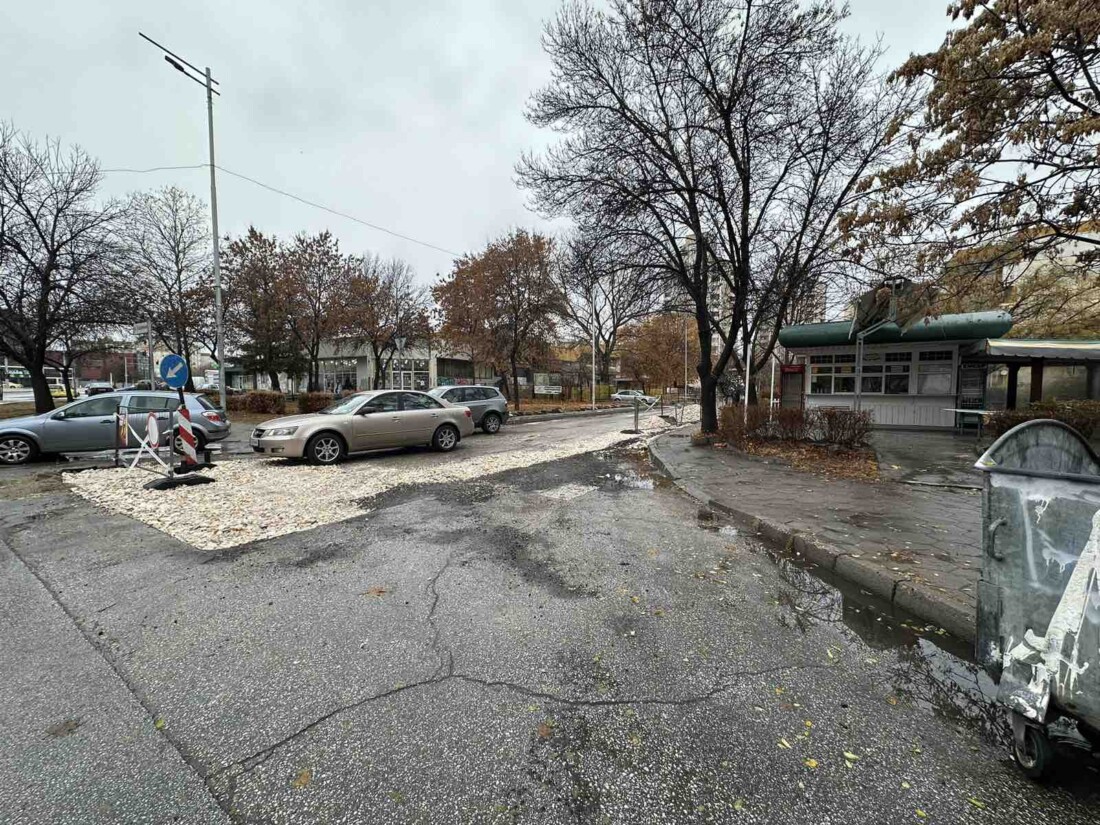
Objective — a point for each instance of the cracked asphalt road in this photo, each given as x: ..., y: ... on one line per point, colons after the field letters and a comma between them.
x: 570, y: 642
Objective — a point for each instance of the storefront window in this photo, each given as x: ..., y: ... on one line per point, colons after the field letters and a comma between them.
x: 934, y: 379
x: 338, y: 375
x: 408, y: 374
x: 897, y: 379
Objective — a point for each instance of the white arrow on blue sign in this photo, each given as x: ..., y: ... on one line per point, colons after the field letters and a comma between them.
x: 173, y: 371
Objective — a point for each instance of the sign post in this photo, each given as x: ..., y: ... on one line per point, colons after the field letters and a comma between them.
x: 175, y: 372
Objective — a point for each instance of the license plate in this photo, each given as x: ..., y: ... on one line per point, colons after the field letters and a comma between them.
x: 253, y: 442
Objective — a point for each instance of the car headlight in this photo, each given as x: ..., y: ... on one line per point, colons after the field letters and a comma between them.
x: 279, y: 431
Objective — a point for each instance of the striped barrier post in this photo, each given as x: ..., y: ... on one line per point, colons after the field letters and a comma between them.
x: 187, y: 436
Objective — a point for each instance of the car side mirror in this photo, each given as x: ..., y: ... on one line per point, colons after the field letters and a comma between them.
x: 59, y: 415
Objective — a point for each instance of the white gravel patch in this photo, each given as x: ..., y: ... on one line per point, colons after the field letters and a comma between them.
x: 261, y: 498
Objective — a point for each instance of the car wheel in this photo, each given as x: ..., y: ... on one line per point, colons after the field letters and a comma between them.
x: 445, y: 438
x: 15, y: 449
x: 200, y: 442
x: 325, y: 448
x: 491, y: 423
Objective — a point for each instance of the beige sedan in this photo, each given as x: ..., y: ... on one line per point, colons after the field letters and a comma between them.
x: 366, y: 421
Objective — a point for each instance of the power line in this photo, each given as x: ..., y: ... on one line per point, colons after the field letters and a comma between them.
x: 157, y: 169
x: 292, y: 196
x: 341, y: 214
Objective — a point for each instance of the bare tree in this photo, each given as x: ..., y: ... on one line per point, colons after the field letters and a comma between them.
x: 57, y: 253
x: 603, y: 290
x: 728, y: 139
x: 168, y: 252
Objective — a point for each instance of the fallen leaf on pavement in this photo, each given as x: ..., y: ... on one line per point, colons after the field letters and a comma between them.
x: 375, y: 591
x: 302, y: 779
x: 783, y: 743
x: 905, y: 785
x: 739, y: 804
x: 545, y: 730
x: 851, y: 756
x: 810, y: 763
x: 976, y: 803
x: 921, y: 813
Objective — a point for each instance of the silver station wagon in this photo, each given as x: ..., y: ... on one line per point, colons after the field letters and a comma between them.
x: 86, y: 425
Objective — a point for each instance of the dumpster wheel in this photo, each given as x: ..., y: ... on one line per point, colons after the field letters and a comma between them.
x: 1034, y: 754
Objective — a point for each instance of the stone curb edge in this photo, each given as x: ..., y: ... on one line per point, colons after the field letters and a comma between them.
x: 915, y: 597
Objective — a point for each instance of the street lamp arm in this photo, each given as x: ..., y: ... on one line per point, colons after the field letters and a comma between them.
x: 188, y: 75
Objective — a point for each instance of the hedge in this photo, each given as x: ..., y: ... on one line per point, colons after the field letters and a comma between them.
x: 1083, y: 416
x: 259, y: 401
x: 846, y: 428
x: 309, y: 402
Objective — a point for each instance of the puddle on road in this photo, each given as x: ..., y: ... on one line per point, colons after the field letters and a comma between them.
x: 932, y: 669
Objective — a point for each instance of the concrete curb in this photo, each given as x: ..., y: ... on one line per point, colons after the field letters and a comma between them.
x: 915, y: 597
x: 536, y: 417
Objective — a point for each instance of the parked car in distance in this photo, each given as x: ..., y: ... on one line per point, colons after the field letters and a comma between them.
x: 630, y: 396
x: 365, y: 421
x: 97, y: 388
x: 87, y: 425
x: 489, y: 407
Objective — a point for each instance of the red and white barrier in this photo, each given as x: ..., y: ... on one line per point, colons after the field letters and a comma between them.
x: 187, y: 437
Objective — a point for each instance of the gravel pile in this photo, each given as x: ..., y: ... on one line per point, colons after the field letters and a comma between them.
x: 257, y: 499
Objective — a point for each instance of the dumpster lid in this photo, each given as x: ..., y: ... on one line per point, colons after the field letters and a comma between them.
x: 1043, y: 448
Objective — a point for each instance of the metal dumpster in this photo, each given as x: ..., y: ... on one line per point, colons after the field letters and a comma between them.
x: 1039, y: 592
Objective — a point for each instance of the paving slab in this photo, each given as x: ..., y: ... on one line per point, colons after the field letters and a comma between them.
x: 917, y: 545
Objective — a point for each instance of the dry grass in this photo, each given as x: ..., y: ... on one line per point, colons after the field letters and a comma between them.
x: 858, y: 464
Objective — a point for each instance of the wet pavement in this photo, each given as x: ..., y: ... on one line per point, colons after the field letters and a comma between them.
x: 576, y: 641
x: 917, y: 545
x: 928, y: 458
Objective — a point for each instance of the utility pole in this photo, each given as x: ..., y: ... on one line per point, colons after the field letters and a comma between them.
x: 219, y: 329
x: 178, y: 63
x: 593, y: 322
x: 686, y: 357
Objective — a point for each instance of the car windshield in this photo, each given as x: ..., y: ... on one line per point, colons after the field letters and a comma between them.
x: 345, y: 406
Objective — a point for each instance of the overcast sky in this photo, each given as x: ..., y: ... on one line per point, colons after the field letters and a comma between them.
x: 404, y: 113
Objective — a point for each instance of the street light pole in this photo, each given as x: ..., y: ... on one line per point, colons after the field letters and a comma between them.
x: 205, y: 79
x: 219, y: 332
x: 593, y: 321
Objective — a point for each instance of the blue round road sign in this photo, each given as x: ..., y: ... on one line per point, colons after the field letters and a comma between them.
x: 173, y: 371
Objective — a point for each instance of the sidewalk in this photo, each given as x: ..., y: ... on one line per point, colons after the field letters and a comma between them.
x: 916, y: 546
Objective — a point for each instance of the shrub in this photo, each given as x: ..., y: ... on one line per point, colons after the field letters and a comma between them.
x: 260, y: 401
x: 309, y: 402
x: 791, y: 424
x: 1083, y: 416
x: 737, y: 424
x: 846, y: 428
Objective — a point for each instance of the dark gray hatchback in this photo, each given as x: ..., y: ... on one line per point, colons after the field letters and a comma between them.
x: 488, y: 407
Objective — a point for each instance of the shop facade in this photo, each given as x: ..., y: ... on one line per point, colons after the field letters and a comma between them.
x: 907, y: 378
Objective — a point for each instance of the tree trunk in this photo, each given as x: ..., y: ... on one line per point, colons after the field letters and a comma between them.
x: 515, y: 381
x: 751, y: 389
x: 605, y: 367
x: 273, y: 377
x: 43, y: 401
x: 708, y: 403
x: 66, y: 383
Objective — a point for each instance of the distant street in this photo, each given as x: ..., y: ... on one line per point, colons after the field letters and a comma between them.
x: 568, y: 642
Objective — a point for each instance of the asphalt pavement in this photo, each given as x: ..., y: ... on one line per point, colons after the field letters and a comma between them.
x: 571, y: 642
